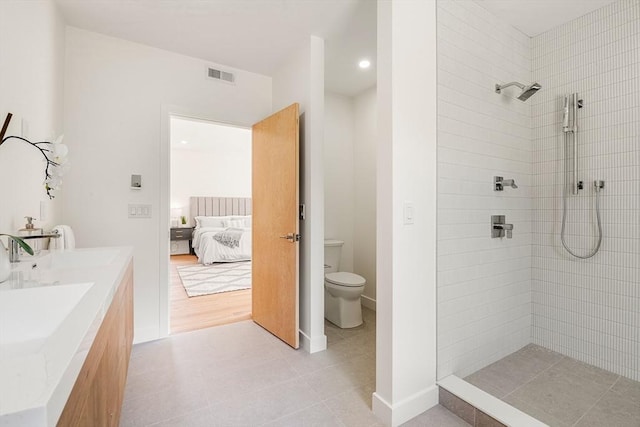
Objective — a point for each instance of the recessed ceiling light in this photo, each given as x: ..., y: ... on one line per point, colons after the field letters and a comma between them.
x: 364, y: 63
x: 184, y: 142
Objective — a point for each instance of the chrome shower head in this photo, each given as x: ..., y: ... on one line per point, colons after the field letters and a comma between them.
x: 527, y: 91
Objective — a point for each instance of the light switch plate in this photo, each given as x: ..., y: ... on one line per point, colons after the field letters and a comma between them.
x: 408, y: 213
x: 139, y: 211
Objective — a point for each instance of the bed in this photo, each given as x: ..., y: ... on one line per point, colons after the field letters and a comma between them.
x: 222, y: 230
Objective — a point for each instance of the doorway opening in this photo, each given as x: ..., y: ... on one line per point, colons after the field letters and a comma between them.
x: 210, y: 224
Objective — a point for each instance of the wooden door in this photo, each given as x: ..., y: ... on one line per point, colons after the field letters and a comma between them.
x: 275, y: 162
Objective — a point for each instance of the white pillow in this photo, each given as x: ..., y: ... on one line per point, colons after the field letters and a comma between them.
x: 235, y: 223
x: 246, y: 220
x: 211, y: 221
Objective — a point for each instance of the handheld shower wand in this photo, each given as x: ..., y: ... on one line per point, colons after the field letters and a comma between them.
x: 570, y: 126
x: 577, y: 185
x: 565, y: 119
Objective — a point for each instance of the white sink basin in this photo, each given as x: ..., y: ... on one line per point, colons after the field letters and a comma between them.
x: 35, y: 313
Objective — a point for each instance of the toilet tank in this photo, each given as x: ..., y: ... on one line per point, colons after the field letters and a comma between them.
x: 332, y: 251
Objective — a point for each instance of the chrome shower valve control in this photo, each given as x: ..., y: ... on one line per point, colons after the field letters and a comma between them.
x: 500, y: 183
x: 499, y: 228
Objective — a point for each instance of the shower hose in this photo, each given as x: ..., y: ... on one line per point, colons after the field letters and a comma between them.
x: 564, y: 210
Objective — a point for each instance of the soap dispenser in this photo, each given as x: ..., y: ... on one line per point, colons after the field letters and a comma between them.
x: 30, y: 230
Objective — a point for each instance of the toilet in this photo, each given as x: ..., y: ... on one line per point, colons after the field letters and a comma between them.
x: 342, y: 290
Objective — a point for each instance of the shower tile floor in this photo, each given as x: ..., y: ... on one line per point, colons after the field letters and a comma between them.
x: 561, y: 391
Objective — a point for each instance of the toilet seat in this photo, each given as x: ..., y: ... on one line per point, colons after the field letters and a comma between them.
x: 343, y: 278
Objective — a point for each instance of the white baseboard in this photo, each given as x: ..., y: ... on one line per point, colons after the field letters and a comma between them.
x: 403, y: 411
x: 368, y: 302
x: 313, y: 345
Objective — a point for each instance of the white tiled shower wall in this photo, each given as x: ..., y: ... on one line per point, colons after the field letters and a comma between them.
x: 589, y: 309
x: 495, y: 296
x: 484, y: 284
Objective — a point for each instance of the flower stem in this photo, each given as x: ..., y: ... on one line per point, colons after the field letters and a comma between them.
x: 44, y: 152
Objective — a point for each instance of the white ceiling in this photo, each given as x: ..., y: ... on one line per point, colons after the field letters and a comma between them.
x: 253, y: 35
x: 534, y: 17
x: 346, y: 48
x: 258, y: 35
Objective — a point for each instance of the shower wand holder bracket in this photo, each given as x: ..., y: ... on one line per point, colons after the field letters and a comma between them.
x: 580, y: 185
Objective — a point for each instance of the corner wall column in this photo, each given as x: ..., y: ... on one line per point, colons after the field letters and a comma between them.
x: 406, y: 253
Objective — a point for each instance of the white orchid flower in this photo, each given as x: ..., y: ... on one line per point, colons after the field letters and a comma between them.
x: 53, y: 182
x: 60, y: 151
x: 55, y: 156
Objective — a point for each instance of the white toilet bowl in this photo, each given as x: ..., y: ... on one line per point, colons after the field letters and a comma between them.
x: 342, y: 292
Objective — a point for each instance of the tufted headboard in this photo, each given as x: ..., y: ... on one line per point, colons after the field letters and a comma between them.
x: 219, y: 206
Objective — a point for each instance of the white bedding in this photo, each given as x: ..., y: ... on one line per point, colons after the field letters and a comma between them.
x: 209, y: 250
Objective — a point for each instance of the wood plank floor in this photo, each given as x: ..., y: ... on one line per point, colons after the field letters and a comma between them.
x: 189, y: 314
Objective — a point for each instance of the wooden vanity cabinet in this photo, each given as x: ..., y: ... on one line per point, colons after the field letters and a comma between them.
x: 97, y: 395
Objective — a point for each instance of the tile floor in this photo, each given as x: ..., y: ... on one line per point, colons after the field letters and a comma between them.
x: 240, y: 375
x: 561, y: 391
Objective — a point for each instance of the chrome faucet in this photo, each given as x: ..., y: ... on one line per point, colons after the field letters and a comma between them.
x: 500, y: 183
x: 14, y: 248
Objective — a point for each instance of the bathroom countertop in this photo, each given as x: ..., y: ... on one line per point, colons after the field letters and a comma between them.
x: 37, y: 373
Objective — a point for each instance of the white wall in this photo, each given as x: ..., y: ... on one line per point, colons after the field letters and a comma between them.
x: 301, y: 79
x: 406, y: 253
x: 339, y: 168
x: 484, y: 284
x: 588, y: 309
x: 364, y: 233
x: 214, y: 166
x: 31, y: 81
x: 350, y: 183
x: 115, y: 95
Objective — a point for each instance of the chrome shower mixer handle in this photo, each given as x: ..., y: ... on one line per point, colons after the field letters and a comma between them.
x: 499, y: 183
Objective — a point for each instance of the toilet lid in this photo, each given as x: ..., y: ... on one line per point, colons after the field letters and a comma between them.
x: 342, y: 278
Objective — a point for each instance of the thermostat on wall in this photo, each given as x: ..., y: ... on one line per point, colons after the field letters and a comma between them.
x: 136, y: 182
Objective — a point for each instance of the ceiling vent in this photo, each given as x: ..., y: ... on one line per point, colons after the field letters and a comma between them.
x: 224, y: 76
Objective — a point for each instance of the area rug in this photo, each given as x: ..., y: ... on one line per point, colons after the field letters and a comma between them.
x: 201, y: 279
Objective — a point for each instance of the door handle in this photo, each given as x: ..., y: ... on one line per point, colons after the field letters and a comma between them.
x: 292, y: 237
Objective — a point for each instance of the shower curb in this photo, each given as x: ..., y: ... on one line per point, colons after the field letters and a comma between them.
x: 480, y: 409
